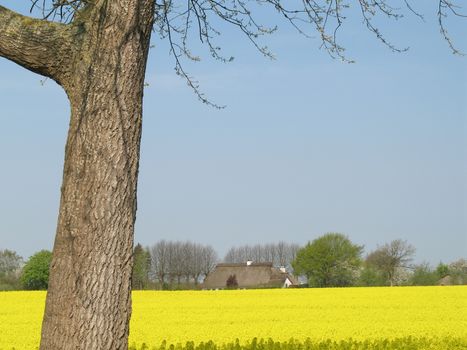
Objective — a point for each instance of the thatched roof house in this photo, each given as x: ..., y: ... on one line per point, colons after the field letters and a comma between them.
x: 249, y: 275
x: 445, y: 281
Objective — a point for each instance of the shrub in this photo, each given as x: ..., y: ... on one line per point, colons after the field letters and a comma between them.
x: 232, y: 282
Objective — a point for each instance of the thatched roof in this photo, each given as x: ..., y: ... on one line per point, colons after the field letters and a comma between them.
x: 445, y: 281
x: 253, y: 275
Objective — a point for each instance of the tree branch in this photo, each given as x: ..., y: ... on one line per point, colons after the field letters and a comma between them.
x: 40, y: 46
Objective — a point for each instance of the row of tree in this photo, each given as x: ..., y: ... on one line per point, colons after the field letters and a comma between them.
x: 16, y: 274
x: 167, y: 264
x: 331, y: 260
x: 280, y: 254
x: 175, y: 264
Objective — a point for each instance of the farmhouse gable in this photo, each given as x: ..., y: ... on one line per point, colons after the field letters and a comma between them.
x: 249, y: 275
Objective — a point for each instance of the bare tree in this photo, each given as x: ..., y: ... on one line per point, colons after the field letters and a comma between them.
x: 458, y: 271
x: 280, y: 254
x: 177, y: 266
x: 175, y: 260
x: 237, y: 255
x: 392, y: 259
x: 10, y: 269
x: 209, y: 259
x: 98, y: 54
x: 281, y: 251
x: 197, y: 263
x: 159, y: 261
x: 231, y: 256
x: 188, y: 251
x: 10, y: 261
x: 191, y: 261
x: 171, y: 261
x: 292, y: 251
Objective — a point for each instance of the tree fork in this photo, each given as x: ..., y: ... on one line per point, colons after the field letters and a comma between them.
x: 40, y: 46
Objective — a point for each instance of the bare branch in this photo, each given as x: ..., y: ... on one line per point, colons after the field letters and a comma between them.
x: 178, y: 51
x: 411, y: 9
x: 58, y: 10
x: 178, y: 21
x: 443, y: 7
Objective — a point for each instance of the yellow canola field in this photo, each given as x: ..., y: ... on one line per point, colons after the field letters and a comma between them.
x: 281, y: 314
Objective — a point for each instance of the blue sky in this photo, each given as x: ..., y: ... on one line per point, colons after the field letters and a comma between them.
x: 307, y: 145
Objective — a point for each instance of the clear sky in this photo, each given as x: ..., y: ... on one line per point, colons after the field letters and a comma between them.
x: 307, y: 145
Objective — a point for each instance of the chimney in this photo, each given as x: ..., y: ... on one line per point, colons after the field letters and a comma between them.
x: 283, y: 270
x: 249, y: 262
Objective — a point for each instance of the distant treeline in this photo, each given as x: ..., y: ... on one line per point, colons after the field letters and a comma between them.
x: 280, y: 254
x: 328, y: 261
x: 178, y: 265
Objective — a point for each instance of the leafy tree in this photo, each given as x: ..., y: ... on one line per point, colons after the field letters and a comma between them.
x: 392, y: 259
x: 141, y: 267
x: 10, y: 266
x: 370, y: 277
x: 97, y: 51
x: 331, y: 260
x: 442, y: 270
x: 35, y: 273
x: 423, y: 275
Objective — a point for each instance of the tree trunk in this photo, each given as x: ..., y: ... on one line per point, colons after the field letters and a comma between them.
x: 89, y: 298
x: 100, y: 60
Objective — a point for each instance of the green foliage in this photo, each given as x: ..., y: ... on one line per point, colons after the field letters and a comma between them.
x: 10, y: 266
x: 141, y: 267
x: 442, y: 270
x: 423, y: 275
x: 370, y: 277
x: 35, y: 275
x: 331, y: 260
x: 10, y: 282
x: 406, y: 343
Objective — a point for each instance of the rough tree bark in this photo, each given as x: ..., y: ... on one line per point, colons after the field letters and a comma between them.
x: 100, y: 61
